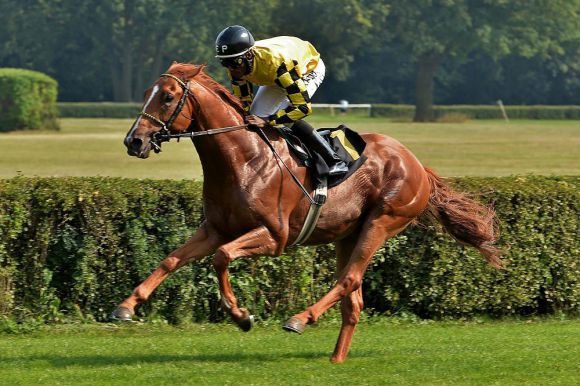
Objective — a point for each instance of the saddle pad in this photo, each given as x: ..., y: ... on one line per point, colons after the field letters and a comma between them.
x: 348, y: 145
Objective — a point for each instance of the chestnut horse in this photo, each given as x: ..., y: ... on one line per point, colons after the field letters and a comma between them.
x: 253, y: 207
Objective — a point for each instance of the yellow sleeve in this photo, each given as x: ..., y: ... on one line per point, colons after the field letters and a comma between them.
x: 291, y: 81
x: 243, y: 90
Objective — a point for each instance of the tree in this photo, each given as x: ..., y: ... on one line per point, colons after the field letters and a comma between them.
x: 338, y: 28
x: 146, y: 35
x: 29, y: 33
x: 141, y: 37
x: 431, y: 30
x: 112, y: 50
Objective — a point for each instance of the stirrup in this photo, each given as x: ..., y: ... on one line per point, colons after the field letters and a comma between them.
x: 338, y: 168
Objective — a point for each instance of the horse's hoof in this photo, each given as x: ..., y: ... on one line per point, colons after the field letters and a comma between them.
x: 294, y: 325
x: 247, y: 321
x: 122, y: 314
x: 337, y: 360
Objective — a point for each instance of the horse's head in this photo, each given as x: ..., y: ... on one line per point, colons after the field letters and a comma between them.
x: 167, y: 110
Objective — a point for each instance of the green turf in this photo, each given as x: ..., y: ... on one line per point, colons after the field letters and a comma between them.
x: 88, y: 147
x: 492, y: 353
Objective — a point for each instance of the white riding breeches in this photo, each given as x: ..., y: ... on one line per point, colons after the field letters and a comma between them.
x: 269, y: 99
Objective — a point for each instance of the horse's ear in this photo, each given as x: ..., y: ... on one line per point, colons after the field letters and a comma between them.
x: 198, y: 69
x: 171, y: 65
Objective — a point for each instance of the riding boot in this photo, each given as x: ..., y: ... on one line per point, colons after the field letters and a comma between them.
x: 315, y: 141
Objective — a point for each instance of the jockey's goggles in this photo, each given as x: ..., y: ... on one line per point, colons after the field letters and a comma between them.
x: 232, y: 62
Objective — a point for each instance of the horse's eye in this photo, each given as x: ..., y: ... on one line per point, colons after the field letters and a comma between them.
x: 167, y: 99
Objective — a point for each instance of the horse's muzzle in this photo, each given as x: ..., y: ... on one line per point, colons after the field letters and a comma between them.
x: 136, y: 148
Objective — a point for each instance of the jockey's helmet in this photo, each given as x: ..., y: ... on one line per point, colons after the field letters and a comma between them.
x: 233, y: 41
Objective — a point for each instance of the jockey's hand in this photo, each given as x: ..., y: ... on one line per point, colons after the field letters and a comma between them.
x: 256, y: 121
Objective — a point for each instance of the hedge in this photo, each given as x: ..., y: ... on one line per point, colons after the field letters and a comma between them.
x: 130, y: 110
x: 481, y: 111
x: 98, y: 109
x: 75, y: 247
x: 27, y: 100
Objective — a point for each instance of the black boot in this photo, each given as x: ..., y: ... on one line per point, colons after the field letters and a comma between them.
x: 315, y: 141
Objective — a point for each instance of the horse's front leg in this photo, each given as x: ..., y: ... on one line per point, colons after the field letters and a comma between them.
x: 259, y: 241
x: 203, y: 243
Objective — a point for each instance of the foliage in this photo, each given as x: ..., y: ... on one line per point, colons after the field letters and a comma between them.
x: 113, y: 50
x: 430, y: 31
x: 354, y: 28
x: 6, y: 292
x: 27, y: 100
x: 75, y: 247
x: 539, y: 223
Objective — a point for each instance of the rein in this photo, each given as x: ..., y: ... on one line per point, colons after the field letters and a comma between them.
x: 165, y: 137
x: 296, y: 180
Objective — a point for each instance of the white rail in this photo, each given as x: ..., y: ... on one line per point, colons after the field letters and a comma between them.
x: 333, y: 106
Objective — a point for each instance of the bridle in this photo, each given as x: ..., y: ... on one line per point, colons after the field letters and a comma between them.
x: 164, y: 134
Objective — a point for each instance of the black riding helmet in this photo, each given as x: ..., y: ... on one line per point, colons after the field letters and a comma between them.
x: 233, y: 41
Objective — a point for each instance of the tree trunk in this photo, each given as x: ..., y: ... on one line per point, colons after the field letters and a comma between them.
x: 146, y: 74
x: 426, y: 67
x: 127, y: 52
x: 115, y: 78
x: 157, y: 66
x: 139, y: 82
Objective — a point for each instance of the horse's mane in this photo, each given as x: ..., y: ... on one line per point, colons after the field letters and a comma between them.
x: 189, y: 71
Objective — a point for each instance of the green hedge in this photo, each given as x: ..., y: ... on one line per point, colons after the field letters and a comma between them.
x: 75, y: 247
x: 98, y: 109
x: 482, y: 112
x: 27, y: 100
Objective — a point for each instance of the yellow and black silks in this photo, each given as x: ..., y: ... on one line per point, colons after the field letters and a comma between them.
x: 282, y: 61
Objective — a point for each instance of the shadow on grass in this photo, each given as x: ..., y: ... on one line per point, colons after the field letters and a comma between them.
x: 109, y: 360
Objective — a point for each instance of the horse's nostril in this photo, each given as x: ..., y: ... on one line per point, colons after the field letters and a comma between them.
x: 133, y: 145
x: 136, y: 144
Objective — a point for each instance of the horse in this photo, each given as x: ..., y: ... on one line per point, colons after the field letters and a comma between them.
x: 253, y: 207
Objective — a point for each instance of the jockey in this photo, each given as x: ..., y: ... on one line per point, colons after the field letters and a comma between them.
x: 288, y: 70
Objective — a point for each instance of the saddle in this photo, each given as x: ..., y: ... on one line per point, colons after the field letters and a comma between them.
x: 347, y: 144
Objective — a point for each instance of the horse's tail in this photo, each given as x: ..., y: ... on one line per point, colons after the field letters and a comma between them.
x: 466, y: 220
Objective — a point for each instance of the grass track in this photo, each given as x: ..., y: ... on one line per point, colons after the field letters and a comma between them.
x: 89, y: 147
x: 383, y: 353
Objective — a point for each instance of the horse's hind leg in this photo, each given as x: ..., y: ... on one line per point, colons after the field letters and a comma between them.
x: 201, y: 244
x: 259, y: 241
x: 350, y: 306
x: 374, y: 232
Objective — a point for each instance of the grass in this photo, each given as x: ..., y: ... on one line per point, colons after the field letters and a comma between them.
x: 383, y: 353
x: 89, y: 147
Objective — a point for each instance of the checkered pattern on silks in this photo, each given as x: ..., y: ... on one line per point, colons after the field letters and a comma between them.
x: 243, y: 90
x: 290, y: 80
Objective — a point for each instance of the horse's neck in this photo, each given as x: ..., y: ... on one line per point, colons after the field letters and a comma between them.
x: 223, y: 155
